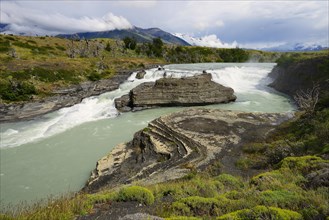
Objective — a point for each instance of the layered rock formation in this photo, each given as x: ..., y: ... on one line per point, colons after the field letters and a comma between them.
x: 171, y: 145
x: 189, y: 91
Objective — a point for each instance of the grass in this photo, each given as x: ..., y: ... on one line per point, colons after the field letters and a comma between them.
x: 303, y: 135
x: 288, y: 58
x: 45, y: 62
x: 277, y: 194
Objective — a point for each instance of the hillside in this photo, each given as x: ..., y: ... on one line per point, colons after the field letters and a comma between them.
x: 48, y: 64
x: 141, y: 35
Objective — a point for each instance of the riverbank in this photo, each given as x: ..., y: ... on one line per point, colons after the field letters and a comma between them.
x: 65, y: 97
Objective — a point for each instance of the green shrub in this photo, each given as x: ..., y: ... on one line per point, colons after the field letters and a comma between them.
x: 230, y: 181
x: 197, y: 205
x: 183, y: 218
x: 181, y: 208
x: 276, y: 180
x: 281, y: 198
x: 302, y: 165
x: 101, y: 197
x: 16, y: 91
x: 130, y: 43
x: 264, y: 213
x: 94, y: 76
x: 136, y: 193
x: 60, y: 48
x: 4, y: 46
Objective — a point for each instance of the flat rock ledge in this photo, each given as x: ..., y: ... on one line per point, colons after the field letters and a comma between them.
x: 167, y: 92
x: 172, y: 144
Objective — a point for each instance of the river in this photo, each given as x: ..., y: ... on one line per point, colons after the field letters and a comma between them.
x: 54, y: 154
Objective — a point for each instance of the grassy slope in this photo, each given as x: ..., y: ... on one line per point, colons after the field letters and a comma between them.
x: 282, y: 193
x: 33, y: 67
x: 43, y: 62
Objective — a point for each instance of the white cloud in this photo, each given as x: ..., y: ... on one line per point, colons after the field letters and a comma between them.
x: 262, y: 45
x: 137, y: 4
x: 219, y: 23
x: 207, y: 41
x: 31, y: 20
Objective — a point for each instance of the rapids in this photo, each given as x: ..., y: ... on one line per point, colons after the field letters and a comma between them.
x: 55, y: 153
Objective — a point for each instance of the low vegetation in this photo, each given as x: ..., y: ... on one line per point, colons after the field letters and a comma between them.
x: 46, y: 64
x: 282, y: 193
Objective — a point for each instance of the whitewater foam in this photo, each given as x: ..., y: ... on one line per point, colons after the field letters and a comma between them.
x: 243, y: 78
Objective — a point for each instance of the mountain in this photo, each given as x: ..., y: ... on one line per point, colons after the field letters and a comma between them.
x: 296, y: 47
x: 3, y: 27
x: 140, y: 34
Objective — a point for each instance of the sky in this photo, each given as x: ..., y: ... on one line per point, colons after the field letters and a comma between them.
x: 253, y: 24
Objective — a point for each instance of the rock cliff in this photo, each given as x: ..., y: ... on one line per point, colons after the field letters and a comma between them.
x: 301, y: 75
x: 189, y: 91
x: 171, y: 145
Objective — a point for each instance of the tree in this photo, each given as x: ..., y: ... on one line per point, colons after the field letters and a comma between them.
x: 108, y: 47
x: 157, y: 47
x: 130, y: 43
x: 307, y: 100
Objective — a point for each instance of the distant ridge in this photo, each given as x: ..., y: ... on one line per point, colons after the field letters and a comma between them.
x: 141, y: 35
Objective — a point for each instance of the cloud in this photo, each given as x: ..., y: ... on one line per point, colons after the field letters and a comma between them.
x: 263, y: 45
x: 246, y: 22
x: 35, y: 21
x: 207, y: 41
x: 137, y: 4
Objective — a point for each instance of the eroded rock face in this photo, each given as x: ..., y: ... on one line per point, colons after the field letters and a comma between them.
x: 171, y: 144
x: 301, y: 75
x: 189, y: 91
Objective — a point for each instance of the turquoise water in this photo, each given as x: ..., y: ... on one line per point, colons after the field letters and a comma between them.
x: 56, y: 153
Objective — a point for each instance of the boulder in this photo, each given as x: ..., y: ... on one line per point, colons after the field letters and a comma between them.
x: 318, y: 178
x: 166, y: 92
x: 140, y: 74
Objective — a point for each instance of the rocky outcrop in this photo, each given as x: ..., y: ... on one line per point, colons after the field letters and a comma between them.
x: 189, y: 91
x: 301, y: 75
x: 61, y: 98
x: 171, y: 145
